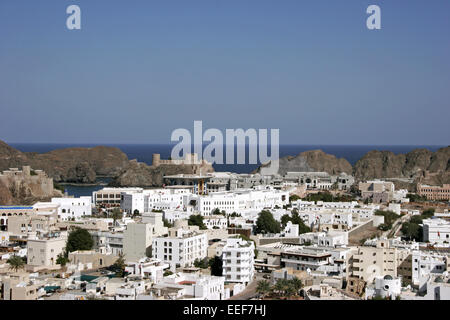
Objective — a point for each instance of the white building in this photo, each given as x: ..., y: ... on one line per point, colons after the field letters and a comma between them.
x: 107, y: 242
x: 215, y: 222
x: 239, y: 200
x: 44, y: 251
x: 238, y: 260
x: 181, y: 248
x: 325, y: 239
x: 153, y: 199
x: 384, y: 287
x: 191, y: 286
x: 149, y: 268
x: 73, y: 208
x: 436, y: 231
x: 426, y: 263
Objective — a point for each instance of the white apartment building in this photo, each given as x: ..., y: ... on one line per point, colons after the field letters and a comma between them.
x: 153, y: 199
x: 384, y: 287
x: 190, y: 286
x: 73, y: 208
x: 426, y: 263
x: 215, y: 222
x: 107, y: 242
x: 181, y: 248
x: 149, y: 268
x: 240, y: 200
x: 238, y: 258
x: 325, y: 239
x: 327, y: 220
x: 436, y: 231
x: 319, y: 260
x: 44, y: 251
x: 174, y: 215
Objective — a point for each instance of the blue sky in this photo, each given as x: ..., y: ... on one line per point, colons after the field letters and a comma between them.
x: 139, y: 69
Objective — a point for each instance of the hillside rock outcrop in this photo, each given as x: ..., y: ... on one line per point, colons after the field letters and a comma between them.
x: 313, y: 160
x: 74, y: 165
x: 140, y: 174
x: 420, y: 165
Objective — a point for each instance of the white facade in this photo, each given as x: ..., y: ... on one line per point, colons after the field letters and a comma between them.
x: 325, y: 239
x: 153, y: 199
x: 384, y: 287
x: 152, y: 269
x: 44, y: 251
x: 181, y: 248
x: 215, y: 222
x: 240, y: 200
x: 107, y: 242
x: 317, y: 218
x: 195, y: 286
x: 73, y: 208
x: 238, y: 260
x: 436, y: 231
x: 426, y: 263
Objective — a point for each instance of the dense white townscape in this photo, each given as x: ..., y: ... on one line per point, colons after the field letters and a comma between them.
x: 218, y: 236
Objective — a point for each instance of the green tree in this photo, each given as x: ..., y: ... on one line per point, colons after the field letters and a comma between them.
x: 295, y: 219
x: 167, y: 224
x: 119, y: 266
x: 79, y: 239
x: 116, y: 214
x: 428, y: 212
x: 201, y: 263
x: 196, y: 220
x: 266, y: 223
x: 263, y: 288
x: 389, y: 218
x: 412, y: 231
x: 136, y: 212
x: 216, y: 266
x: 62, y: 259
x: 285, y: 219
x: 16, y: 263
x: 297, y: 284
x: 167, y: 273
x: 293, y: 198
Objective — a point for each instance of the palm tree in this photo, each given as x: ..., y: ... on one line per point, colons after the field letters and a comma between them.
x: 297, y: 284
x: 263, y: 288
x: 290, y: 289
x: 116, y: 214
x: 280, y: 287
x: 16, y: 263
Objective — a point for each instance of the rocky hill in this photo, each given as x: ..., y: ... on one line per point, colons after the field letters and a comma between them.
x: 75, y: 165
x: 314, y: 160
x: 142, y: 175
x: 420, y: 165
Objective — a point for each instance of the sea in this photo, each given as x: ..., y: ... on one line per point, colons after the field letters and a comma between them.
x: 144, y: 152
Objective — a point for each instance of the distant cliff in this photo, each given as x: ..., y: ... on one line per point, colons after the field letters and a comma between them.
x: 314, y: 160
x: 83, y: 165
x: 139, y: 174
x: 420, y: 165
x: 75, y: 165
